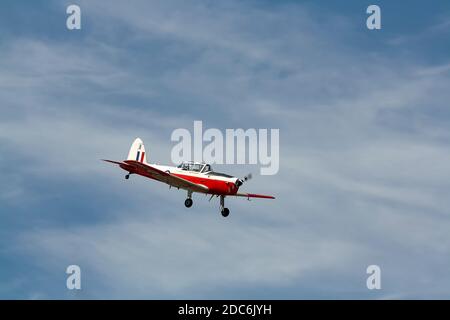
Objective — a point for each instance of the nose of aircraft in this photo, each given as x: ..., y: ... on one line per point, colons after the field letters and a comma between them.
x: 233, y: 187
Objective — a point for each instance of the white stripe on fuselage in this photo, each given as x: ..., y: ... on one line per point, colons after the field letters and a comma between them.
x: 176, y: 170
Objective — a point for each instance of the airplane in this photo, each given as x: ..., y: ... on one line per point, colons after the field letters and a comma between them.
x: 190, y: 176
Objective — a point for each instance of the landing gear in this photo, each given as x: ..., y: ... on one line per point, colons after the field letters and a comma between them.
x: 188, y: 202
x: 224, y: 211
x: 127, y: 176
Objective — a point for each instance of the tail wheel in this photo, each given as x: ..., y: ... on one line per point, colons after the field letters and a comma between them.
x: 225, y: 212
x: 188, y: 202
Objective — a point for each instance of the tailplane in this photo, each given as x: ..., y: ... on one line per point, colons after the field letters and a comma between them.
x: 137, y: 151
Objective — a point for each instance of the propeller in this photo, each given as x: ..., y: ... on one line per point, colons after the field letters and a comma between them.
x: 244, y: 179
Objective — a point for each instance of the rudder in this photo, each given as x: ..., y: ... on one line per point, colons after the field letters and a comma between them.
x: 137, y: 151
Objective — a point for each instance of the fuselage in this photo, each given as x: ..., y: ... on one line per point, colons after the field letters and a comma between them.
x: 217, y: 183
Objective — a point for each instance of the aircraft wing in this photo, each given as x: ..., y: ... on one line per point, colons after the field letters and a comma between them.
x: 252, y: 195
x: 115, y: 162
x: 162, y: 176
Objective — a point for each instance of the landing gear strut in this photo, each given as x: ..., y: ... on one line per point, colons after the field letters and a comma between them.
x: 188, y: 202
x: 224, y: 211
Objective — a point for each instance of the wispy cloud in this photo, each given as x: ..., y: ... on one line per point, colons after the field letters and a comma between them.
x: 364, y: 155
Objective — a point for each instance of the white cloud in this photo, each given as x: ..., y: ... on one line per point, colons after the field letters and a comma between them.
x: 364, y: 159
x: 190, y: 255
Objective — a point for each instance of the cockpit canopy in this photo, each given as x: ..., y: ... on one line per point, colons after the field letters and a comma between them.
x: 195, y: 166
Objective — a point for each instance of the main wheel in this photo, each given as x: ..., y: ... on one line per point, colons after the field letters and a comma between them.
x: 127, y: 176
x: 225, y: 212
x: 188, y: 203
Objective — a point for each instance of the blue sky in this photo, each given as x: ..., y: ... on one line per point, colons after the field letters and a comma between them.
x: 364, y: 148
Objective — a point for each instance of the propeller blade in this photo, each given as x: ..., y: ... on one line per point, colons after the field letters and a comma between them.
x: 244, y: 179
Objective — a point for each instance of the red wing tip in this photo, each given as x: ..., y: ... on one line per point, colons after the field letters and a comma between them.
x: 252, y: 195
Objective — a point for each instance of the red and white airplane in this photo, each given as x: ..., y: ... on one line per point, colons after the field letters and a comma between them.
x: 190, y: 176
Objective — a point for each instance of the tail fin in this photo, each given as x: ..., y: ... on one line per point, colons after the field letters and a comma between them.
x: 137, y: 151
